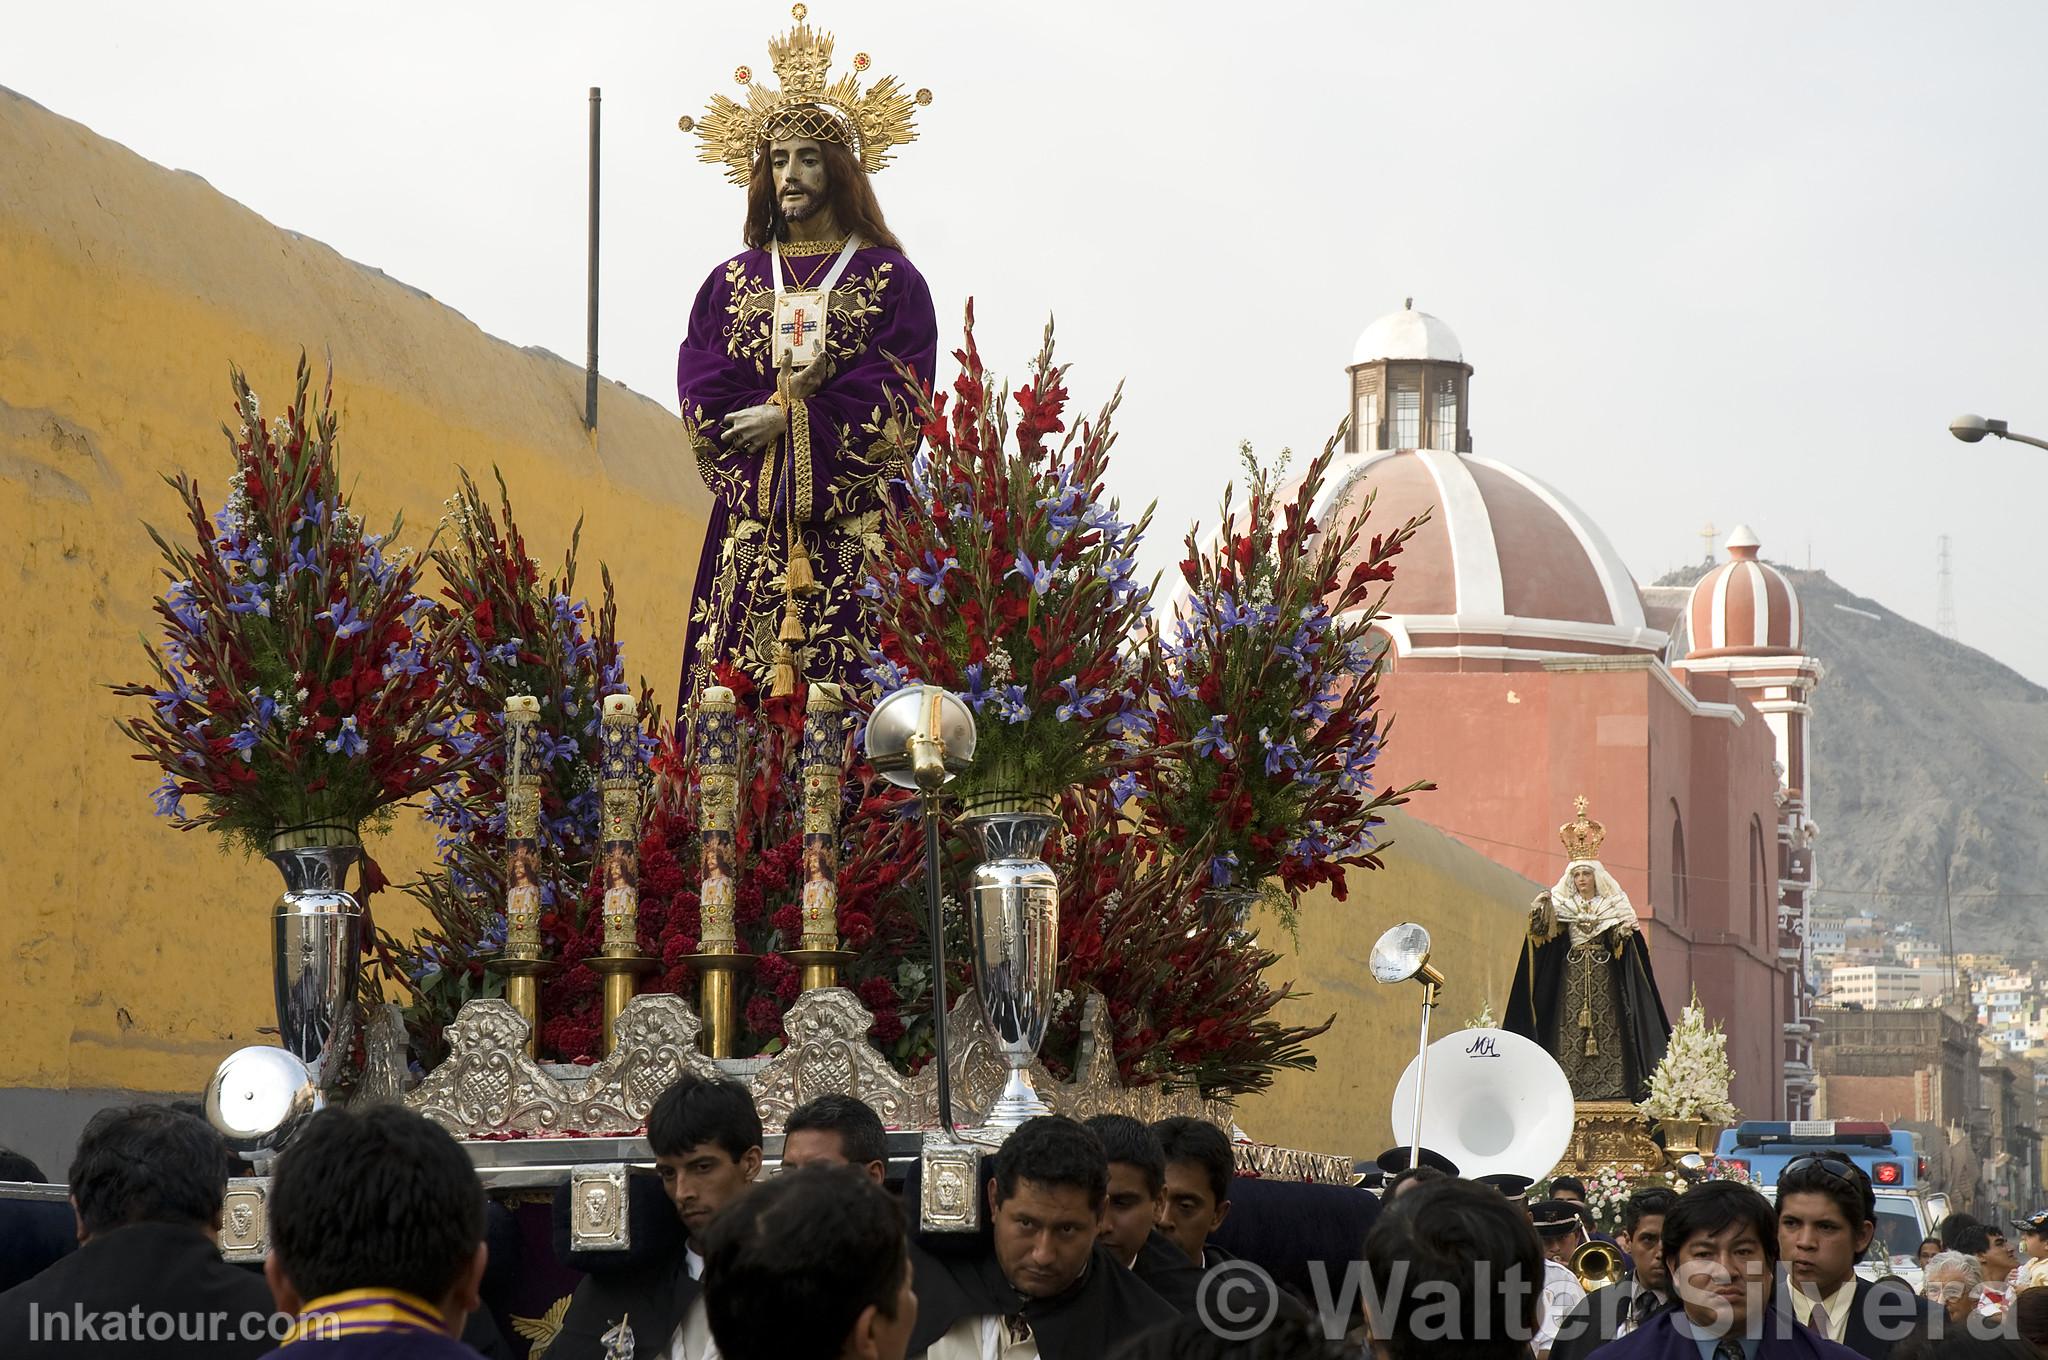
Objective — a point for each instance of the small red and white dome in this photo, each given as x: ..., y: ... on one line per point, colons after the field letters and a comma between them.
x: 1506, y: 572
x: 1744, y: 607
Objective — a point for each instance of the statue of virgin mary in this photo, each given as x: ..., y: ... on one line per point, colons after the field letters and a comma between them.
x: 1583, y: 988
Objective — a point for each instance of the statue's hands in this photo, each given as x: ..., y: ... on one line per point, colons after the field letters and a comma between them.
x: 1542, y: 917
x: 813, y: 376
x: 753, y: 429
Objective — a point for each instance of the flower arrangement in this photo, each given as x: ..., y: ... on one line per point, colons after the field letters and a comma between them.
x: 508, y: 632
x: 1187, y: 997
x: 1691, y: 1083
x: 1607, y: 1192
x: 1010, y: 580
x: 294, y: 681
x: 1264, y: 692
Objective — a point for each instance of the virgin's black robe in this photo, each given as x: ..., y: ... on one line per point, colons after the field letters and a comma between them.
x: 1536, y: 1004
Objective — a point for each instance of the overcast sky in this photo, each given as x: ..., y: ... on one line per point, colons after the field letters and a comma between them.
x: 1728, y: 262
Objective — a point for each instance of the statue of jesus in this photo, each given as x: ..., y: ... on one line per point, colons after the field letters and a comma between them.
x: 1583, y: 988
x: 791, y: 376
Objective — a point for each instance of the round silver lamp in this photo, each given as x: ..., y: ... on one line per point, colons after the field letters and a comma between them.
x: 1402, y: 954
x: 259, y: 1098
x: 919, y: 738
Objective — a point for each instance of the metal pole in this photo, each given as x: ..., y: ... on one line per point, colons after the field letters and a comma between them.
x: 936, y: 911
x: 1421, y: 1076
x: 590, y: 365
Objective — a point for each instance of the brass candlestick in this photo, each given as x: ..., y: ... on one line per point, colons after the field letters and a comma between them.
x: 822, y: 763
x: 521, y: 962
x: 620, y: 962
x: 718, y: 792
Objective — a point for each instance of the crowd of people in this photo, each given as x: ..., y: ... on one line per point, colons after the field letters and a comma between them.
x: 1097, y: 1241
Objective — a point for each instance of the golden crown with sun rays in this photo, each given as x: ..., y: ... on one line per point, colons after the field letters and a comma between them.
x: 868, y: 123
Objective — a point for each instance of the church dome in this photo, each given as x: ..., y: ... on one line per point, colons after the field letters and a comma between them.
x: 1744, y: 607
x: 1505, y: 572
x: 1407, y: 334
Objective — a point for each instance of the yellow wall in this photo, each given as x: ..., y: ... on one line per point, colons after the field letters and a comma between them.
x: 132, y: 956
x: 1476, y: 914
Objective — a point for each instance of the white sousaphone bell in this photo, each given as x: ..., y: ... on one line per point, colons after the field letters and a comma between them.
x: 1493, y: 1102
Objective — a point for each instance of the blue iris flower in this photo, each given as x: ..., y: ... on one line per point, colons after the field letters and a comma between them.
x: 169, y: 801
x: 347, y: 623
x: 346, y: 741
x: 1038, y: 575
x: 1210, y: 741
x: 932, y: 576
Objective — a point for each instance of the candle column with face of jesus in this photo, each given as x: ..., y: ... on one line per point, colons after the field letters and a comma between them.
x: 521, y: 962
x: 822, y: 765
x: 718, y: 794
x: 620, y: 961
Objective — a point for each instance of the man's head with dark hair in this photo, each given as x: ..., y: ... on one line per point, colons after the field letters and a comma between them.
x: 1199, y: 1166
x: 1642, y: 1235
x: 836, y: 1130
x: 1137, y: 1183
x: 813, y: 1263
x: 1721, y: 1247
x: 1568, y: 1188
x: 15, y: 1167
x: 147, y: 1164
x: 1455, y: 1274
x: 1408, y: 1178
x: 706, y: 1137
x: 1051, y: 1177
x: 1826, y: 1217
x: 377, y: 1198
x: 1993, y: 1252
x: 1953, y: 1224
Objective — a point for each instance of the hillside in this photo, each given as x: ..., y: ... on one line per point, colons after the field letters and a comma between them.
x: 1926, y: 754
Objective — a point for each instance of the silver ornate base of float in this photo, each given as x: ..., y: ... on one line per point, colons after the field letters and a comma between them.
x: 489, y: 1088
x: 531, y: 1128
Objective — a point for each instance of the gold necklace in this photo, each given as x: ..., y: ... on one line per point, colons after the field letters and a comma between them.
x: 818, y: 270
x: 811, y: 247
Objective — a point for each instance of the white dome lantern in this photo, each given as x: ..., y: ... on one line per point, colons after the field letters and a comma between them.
x: 1408, y: 334
x: 1409, y: 381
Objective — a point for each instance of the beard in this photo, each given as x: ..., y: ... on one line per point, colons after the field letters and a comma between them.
x: 799, y: 205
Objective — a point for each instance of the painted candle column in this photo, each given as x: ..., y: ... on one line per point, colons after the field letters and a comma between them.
x: 822, y: 764
x: 718, y: 794
x: 620, y: 961
x: 521, y: 962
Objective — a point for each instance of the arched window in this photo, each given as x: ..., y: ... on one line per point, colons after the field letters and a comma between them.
x: 1679, y: 910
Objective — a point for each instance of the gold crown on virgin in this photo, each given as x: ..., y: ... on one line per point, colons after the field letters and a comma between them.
x: 868, y: 123
x: 1582, y: 835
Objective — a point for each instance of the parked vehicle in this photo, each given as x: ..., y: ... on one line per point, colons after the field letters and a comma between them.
x: 1906, y: 1211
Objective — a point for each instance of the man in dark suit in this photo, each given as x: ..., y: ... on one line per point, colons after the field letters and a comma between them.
x: 1720, y: 1243
x: 147, y: 1186
x: 706, y: 1137
x: 1607, y: 1314
x: 1041, y: 1285
x: 1827, y: 1214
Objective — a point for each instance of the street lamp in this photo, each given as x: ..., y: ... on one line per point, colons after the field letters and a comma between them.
x: 1970, y: 429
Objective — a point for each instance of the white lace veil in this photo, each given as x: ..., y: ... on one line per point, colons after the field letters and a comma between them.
x: 1587, y: 919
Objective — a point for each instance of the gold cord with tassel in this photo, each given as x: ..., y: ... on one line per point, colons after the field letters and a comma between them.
x: 782, y: 684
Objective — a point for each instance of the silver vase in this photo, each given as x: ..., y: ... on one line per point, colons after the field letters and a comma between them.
x: 316, y: 953
x: 1016, y: 926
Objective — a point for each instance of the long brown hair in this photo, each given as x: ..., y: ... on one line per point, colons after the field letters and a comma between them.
x: 846, y: 189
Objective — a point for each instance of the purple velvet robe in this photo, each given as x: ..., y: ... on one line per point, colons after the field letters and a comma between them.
x: 830, y: 475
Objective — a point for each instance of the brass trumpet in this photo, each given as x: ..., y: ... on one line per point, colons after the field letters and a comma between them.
x: 1595, y: 1265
